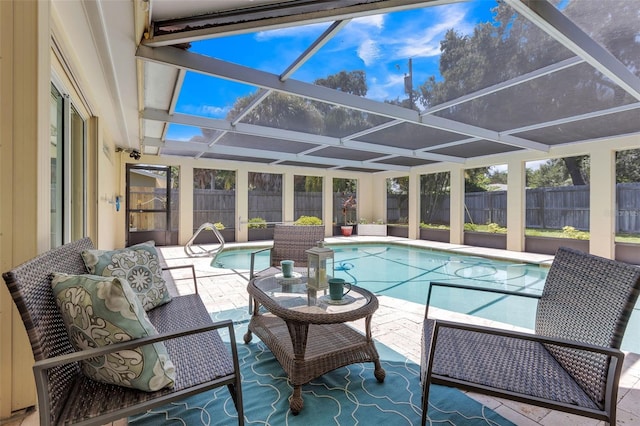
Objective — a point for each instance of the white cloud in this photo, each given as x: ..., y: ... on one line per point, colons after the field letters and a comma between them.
x: 387, y: 89
x: 426, y: 41
x: 376, y: 21
x: 369, y: 52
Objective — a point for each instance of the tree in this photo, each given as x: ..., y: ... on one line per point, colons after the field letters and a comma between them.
x: 628, y: 166
x: 560, y: 172
x: 214, y: 179
x: 433, y: 189
x: 265, y: 182
x: 307, y: 183
x: 281, y: 111
x: 476, y: 180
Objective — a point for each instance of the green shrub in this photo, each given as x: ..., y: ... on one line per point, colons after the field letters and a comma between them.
x: 257, y: 223
x: 219, y: 226
x: 470, y: 227
x: 571, y: 232
x: 495, y: 228
x: 432, y: 226
x: 308, y: 220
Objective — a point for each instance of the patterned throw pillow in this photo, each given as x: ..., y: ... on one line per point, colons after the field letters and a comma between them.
x: 100, y: 311
x: 138, y: 264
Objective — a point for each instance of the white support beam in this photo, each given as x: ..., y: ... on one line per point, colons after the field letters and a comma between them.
x: 327, y: 35
x: 273, y: 155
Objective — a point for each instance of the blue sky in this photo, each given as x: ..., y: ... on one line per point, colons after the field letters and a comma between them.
x: 380, y: 45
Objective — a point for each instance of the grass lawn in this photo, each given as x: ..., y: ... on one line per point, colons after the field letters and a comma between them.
x: 550, y: 233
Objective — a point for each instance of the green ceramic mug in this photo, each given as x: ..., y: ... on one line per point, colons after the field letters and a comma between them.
x: 336, y: 288
x: 287, y: 268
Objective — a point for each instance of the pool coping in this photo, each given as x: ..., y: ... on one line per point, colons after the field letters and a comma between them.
x: 489, y: 253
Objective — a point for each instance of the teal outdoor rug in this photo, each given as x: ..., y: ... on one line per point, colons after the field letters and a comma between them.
x: 346, y: 396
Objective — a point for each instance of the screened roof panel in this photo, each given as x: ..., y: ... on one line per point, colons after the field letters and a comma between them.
x: 475, y: 149
x: 615, y: 28
x: 359, y: 169
x: 267, y: 144
x: 577, y: 90
x: 290, y: 112
x: 216, y: 156
x: 405, y: 161
x: 303, y: 164
x: 213, y: 97
x: 622, y: 123
x: 411, y: 136
x: 345, y: 154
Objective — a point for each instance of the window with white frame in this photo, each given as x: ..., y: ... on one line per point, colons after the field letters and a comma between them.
x: 68, y: 156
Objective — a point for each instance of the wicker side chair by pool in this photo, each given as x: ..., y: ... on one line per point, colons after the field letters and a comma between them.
x: 572, y: 362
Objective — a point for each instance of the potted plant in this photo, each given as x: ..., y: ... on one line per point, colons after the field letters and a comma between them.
x: 435, y: 232
x: 399, y: 228
x: 308, y: 220
x: 348, y: 208
x: 379, y: 228
x: 258, y: 229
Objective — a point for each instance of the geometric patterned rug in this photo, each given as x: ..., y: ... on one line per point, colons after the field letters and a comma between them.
x: 346, y: 396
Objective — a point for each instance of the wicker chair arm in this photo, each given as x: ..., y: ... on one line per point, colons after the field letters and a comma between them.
x: 40, y: 366
x: 469, y: 287
x: 253, y: 259
x: 193, y: 273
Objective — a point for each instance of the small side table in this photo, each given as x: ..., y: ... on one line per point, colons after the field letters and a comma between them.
x: 306, y: 331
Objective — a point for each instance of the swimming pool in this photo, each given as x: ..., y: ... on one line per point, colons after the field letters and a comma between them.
x: 404, y: 272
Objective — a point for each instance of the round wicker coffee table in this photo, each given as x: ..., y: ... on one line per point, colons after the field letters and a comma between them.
x: 306, y: 330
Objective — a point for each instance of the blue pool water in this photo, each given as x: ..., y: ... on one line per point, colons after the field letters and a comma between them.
x: 405, y: 272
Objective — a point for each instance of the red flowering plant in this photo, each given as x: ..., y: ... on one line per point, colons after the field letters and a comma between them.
x: 348, y: 205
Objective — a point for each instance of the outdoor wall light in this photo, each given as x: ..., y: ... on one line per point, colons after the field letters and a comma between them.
x: 133, y: 153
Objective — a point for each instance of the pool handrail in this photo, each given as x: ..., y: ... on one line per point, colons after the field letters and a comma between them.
x: 214, y: 252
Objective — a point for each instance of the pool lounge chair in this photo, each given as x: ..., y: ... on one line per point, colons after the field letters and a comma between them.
x: 571, y: 363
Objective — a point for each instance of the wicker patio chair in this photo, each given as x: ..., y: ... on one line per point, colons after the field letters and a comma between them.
x: 67, y: 396
x: 289, y: 243
x: 572, y: 362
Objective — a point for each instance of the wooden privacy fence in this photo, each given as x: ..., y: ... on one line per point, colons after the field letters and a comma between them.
x: 546, y: 208
x: 214, y: 206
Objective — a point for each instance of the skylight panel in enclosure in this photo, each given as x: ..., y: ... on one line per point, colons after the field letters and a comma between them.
x: 209, y: 96
x: 615, y: 24
x: 621, y: 123
x: 270, y: 51
x: 576, y: 90
x: 411, y: 136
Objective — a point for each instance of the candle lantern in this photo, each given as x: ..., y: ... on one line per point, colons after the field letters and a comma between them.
x: 319, y: 266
